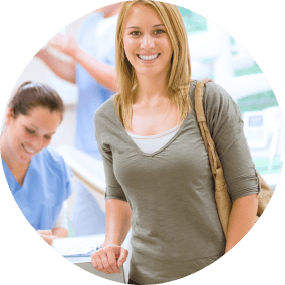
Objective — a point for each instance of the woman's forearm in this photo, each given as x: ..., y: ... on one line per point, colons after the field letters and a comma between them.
x: 64, y: 70
x: 104, y: 74
x: 242, y: 219
x: 111, y: 256
x: 118, y: 221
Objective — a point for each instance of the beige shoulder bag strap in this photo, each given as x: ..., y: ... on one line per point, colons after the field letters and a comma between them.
x: 223, y: 201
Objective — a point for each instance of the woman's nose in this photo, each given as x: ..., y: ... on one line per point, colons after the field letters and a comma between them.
x: 147, y: 42
x: 38, y: 143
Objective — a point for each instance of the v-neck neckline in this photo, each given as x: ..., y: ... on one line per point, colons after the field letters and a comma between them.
x: 13, y: 177
x: 136, y: 147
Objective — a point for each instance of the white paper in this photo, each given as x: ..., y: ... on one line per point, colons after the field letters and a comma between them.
x: 78, y: 245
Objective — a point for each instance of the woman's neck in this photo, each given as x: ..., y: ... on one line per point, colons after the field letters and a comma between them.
x: 151, y: 88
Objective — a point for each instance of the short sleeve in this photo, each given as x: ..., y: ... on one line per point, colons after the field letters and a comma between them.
x: 62, y: 220
x: 113, y: 189
x: 68, y: 184
x: 67, y: 175
x: 226, y: 126
x: 61, y: 170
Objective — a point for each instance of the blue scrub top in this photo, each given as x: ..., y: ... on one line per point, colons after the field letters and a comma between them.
x: 91, y: 95
x: 46, y: 185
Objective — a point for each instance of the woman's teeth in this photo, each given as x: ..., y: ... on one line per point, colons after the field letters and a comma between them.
x: 28, y: 150
x: 148, y: 57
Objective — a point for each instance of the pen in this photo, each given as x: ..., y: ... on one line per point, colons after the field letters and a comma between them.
x: 99, y: 246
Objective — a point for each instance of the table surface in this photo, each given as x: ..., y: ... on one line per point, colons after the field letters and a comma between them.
x: 85, y: 263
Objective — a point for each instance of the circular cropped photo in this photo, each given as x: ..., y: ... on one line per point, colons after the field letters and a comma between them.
x: 142, y: 142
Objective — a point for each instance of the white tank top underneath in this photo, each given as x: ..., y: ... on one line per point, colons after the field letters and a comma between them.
x: 151, y: 144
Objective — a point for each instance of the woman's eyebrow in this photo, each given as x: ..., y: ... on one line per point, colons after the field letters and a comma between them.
x: 30, y: 126
x: 132, y: 27
x: 33, y: 126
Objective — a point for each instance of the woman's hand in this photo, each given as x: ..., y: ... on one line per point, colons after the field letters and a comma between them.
x: 41, y: 54
x: 65, y: 44
x: 46, y: 235
x: 109, y: 258
x: 60, y: 232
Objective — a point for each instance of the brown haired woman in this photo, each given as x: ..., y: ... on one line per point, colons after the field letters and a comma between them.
x: 37, y: 176
x: 155, y: 160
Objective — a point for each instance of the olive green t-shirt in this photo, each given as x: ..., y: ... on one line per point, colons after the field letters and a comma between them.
x: 175, y: 225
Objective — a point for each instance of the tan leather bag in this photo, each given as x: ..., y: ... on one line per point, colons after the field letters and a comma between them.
x: 222, y: 197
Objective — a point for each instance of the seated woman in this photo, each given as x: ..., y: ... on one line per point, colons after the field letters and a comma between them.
x: 37, y: 175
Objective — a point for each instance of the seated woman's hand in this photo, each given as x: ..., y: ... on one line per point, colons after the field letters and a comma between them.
x: 109, y: 258
x: 46, y: 235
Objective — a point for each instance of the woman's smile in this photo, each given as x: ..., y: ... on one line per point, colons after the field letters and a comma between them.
x: 148, y: 57
x: 28, y: 150
x: 28, y: 134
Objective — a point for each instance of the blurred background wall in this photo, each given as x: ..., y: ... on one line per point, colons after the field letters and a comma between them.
x: 214, y: 54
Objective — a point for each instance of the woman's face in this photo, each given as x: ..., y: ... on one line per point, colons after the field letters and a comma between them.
x: 146, y: 42
x: 28, y: 134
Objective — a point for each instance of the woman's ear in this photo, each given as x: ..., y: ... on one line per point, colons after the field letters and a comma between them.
x: 9, y: 116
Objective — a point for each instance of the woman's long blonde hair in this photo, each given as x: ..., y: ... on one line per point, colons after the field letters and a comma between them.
x: 180, y: 71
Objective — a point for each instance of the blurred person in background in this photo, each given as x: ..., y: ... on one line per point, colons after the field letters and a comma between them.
x: 37, y: 175
x: 92, y: 70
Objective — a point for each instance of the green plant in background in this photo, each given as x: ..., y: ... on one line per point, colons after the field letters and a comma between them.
x: 257, y: 102
x: 194, y: 24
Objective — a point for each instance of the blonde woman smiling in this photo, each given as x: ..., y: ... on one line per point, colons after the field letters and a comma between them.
x: 157, y: 169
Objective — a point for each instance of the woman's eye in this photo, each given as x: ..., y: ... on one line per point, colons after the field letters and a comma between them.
x: 47, y: 137
x: 135, y: 33
x: 29, y: 131
x: 158, y: 32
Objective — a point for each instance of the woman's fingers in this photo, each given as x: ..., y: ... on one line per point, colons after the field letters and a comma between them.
x: 63, y: 43
x: 105, y: 259
x: 123, y: 256
x: 48, y: 239
x: 45, y: 232
x: 100, y: 262
x: 111, y: 254
x: 106, y: 265
x: 40, y: 54
x: 97, y: 262
x: 46, y: 235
